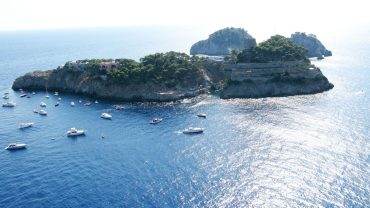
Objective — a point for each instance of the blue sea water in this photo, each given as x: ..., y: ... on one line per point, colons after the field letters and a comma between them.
x: 301, y: 151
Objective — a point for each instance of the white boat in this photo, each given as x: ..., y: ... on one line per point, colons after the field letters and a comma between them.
x: 9, y: 104
x: 96, y: 102
x: 15, y: 146
x: 25, y: 125
x: 6, y: 97
x: 75, y: 132
x: 42, y: 104
x: 56, y: 93
x: 192, y: 130
x: 60, y: 99
x: 80, y: 101
x: 43, y: 113
x: 202, y: 115
x: 118, y: 107
x: 155, y: 120
x: 47, y: 96
x: 33, y: 93
x: 23, y: 95
x: 87, y: 104
x: 106, y: 116
x: 36, y: 111
x: 73, y: 104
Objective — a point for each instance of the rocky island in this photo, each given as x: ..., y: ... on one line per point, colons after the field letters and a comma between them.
x: 222, y: 42
x: 309, y: 41
x: 275, y: 67
x: 157, y: 77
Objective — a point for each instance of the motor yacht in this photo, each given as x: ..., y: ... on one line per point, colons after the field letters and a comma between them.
x: 192, y: 130
x: 73, y: 104
x: 25, y: 125
x: 75, y: 132
x: 43, y: 113
x: 9, y: 104
x: 56, y: 93
x: 42, y: 104
x: 87, y: 104
x: 15, y: 146
x: 106, y: 116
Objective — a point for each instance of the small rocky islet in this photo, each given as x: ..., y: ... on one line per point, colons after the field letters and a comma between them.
x: 279, y: 66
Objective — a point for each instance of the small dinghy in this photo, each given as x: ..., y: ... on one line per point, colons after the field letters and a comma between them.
x: 25, y: 125
x: 192, y: 130
x: 23, y: 95
x: 75, y: 132
x: 42, y: 104
x: 6, y: 97
x: 33, y: 93
x: 59, y: 98
x: 202, y: 115
x: 96, y: 102
x: 36, y: 111
x: 73, y: 104
x: 155, y: 120
x: 106, y: 116
x: 15, y: 146
x: 56, y: 93
x: 43, y: 113
x: 47, y: 96
x: 9, y: 104
x: 57, y: 104
x: 80, y: 101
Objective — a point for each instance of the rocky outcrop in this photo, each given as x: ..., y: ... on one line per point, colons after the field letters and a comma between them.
x: 255, y: 80
x: 97, y: 86
x: 222, y: 42
x: 311, y: 43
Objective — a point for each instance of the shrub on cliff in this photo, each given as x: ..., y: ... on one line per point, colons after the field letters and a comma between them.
x: 277, y: 48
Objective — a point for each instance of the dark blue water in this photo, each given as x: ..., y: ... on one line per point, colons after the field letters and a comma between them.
x: 302, y: 151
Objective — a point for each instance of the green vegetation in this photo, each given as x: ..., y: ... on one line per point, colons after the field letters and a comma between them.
x: 169, y: 68
x: 230, y: 34
x: 277, y: 48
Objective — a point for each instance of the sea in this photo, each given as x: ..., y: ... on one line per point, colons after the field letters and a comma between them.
x: 297, y: 151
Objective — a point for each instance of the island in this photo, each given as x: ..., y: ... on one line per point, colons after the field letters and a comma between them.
x: 157, y: 77
x: 311, y: 43
x: 275, y: 67
x: 223, y: 42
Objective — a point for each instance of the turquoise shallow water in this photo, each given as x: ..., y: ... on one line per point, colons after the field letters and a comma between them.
x: 302, y: 151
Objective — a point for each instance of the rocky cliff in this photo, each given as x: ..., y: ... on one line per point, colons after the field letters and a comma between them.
x: 98, y: 86
x: 311, y: 43
x: 222, y: 42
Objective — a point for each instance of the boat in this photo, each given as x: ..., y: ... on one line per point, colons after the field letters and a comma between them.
x: 75, y: 132
x: 43, y: 113
x: 6, y: 97
x: 87, y: 104
x: 57, y: 104
x: 15, y: 146
x: 73, y: 104
x: 155, y: 120
x: 33, y: 93
x: 23, y: 95
x: 106, y: 116
x: 80, y: 101
x: 25, y: 125
x: 47, y: 96
x: 6, y: 93
x: 42, y: 104
x: 96, y: 102
x: 36, y: 111
x: 56, y: 93
x: 59, y: 98
x: 192, y: 130
x: 202, y: 115
x: 118, y: 107
x: 9, y: 104
x: 28, y: 96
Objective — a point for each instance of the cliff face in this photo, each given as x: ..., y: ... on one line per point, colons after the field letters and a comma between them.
x: 273, y: 80
x: 84, y: 83
x: 222, y: 42
x: 311, y: 43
